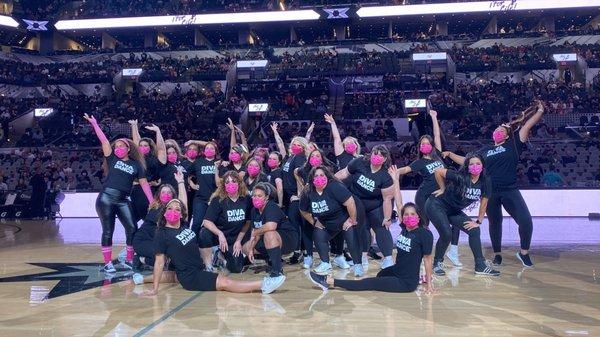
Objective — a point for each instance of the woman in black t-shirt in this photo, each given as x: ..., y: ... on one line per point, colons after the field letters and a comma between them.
x: 445, y: 210
x: 345, y: 150
x: 192, y: 152
x: 238, y: 155
x: 143, y: 240
x: 413, y: 245
x: 272, y: 233
x: 275, y: 176
x: 372, y: 187
x: 226, y: 222
x: 147, y: 148
x: 329, y: 207
x: 206, y: 173
x: 124, y: 165
x: 254, y: 173
x: 170, y: 159
x: 174, y: 240
x: 501, y: 161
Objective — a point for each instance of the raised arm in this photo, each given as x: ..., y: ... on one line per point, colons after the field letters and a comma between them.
x: 106, y: 148
x: 182, y: 193
x: 338, y: 147
x: 437, y: 137
x: 524, y: 131
x: 232, y: 138
x: 161, y: 148
x: 280, y: 145
x: 242, y: 136
x: 454, y: 157
x: 135, y: 132
x: 200, y: 143
x: 310, y: 131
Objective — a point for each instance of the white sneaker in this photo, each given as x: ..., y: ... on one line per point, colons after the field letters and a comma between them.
x: 365, y: 262
x: 308, y: 261
x: 270, y: 284
x: 358, y: 270
x: 452, y: 255
x: 122, y: 256
x: 340, y: 262
x: 138, y: 278
x: 387, y: 262
x: 323, y: 268
x: 108, y: 268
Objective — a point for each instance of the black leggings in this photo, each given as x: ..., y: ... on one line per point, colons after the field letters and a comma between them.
x: 111, y: 203
x: 513, y: 203
x: 443, y: 219
x: 139, y: 203
x: 305, y: 228
x: 207, y: 240
x: 323, y: 236
x: 200, y: 207
x: 143, y: 245
x: 386, y: 281
x: 337, y: 244
x: 420, y: 200
x: 363, y: 233
x: 374, y: 219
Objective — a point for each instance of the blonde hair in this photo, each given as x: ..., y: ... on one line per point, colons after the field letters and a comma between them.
x: 220, y: 192
x: 298, y: 139
x: 173, y: 143
x: 355, y: 141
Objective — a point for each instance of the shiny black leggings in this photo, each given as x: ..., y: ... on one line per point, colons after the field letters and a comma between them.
x: 139, y: 203
x: 386, y: 280
x: 111, y: 203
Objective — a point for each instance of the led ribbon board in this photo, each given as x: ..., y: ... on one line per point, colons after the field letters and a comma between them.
x: 564, y: 57
x: 252, y: 64
x: 42, y: 112
x: 8, y: 21
x: 258, y: 107
x: 429, y: 56
x: 181, y: 20
x: 473, y: 7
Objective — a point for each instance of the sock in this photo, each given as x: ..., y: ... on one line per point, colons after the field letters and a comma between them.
x: 107, y: 254
x: 275, y: 259
x: 454, y: 249
x: 129, y: 257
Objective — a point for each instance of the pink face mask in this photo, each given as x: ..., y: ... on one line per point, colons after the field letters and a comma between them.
x: 315, y: 161
x: 377, y: 159
x: 144, y: 149
x: 410, y: 221
x: 475, y: 169
x: 172, y: 158
x: 172, y: 216
x: 498, y: 136
x: 253, y: 170
x: 258, y: 202
x: 209, y: 152
x: 165, y: 197
x: 273, y: 163
x: 425, y: 148
x: 191, y: 154
x: 320, y: 181
x: 350, y: 147
x: 296, y: 149
x: 259, y: 158
x: 120, y: 152
x: 235, y: 157
x: 231, y: 188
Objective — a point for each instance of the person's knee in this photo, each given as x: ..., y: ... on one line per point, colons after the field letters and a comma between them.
x: 474, y: 232
x: 223, y: 282
x: 445, y: 232
x: 271, y: 239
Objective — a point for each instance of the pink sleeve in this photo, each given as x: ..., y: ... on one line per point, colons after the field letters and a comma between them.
x: 99, y: 133
x: 147, y: 191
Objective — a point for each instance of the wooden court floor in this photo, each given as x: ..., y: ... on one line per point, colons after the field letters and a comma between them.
x: 49, y: 286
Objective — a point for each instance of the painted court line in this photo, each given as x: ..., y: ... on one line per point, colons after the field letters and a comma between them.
x: 167, y: 315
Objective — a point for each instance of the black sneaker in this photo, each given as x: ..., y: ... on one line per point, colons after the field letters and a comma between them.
x: 319, y: 280
x: 137, y: 264
x: 497, y: 260
x: 525, y: 259
x: 486, y: 271
x: 295, y: 258
x: 438, y: 268
x: 373, y: 254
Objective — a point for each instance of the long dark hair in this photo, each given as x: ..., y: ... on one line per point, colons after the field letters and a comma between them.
x: 311, y: 176
x: 435, y: 155
x: 384, y: 151
x: 134, y: 154
x: 161, y: 218
x: 151, y: 143
x: 517, y: 122
x: 156, y: 201
x: 413, y: 205
x: 460, y: 187
x: 324, y: 161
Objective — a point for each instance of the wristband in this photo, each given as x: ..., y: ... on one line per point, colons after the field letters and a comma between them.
x: 478, y: 222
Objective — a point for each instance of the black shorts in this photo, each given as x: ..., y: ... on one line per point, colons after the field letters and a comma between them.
x: 198, y: 280
x: 289, y: 242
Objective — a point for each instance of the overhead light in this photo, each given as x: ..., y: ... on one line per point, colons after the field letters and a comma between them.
x: 8, y: 21
x: 472, y: 7
x: 183, y: 20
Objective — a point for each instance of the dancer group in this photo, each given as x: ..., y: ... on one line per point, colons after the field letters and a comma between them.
x: 200, y: 211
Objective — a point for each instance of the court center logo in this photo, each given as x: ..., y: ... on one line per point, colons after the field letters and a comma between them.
x: 71, y: 277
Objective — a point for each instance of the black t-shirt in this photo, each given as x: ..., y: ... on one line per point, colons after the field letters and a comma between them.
x: 473, y: 191
x: 188, y: 165
x: 204, y: 171
x: 273, y: 175
x: 289, y: 180
x: 426, y: 169
x: 411, y: 247
x: 343, y: 160
x: 151, y: 167
x: 365, y: 184
x: 231, y: 167
x: 122, y: 173
x: 148, y: 227
x: 271, y: 213
x: 167, y: 172
x: 501, y: 162
x: 229, y: 216
x: 260, y: 178
x: 181, y: 246
x: 328, y: 207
